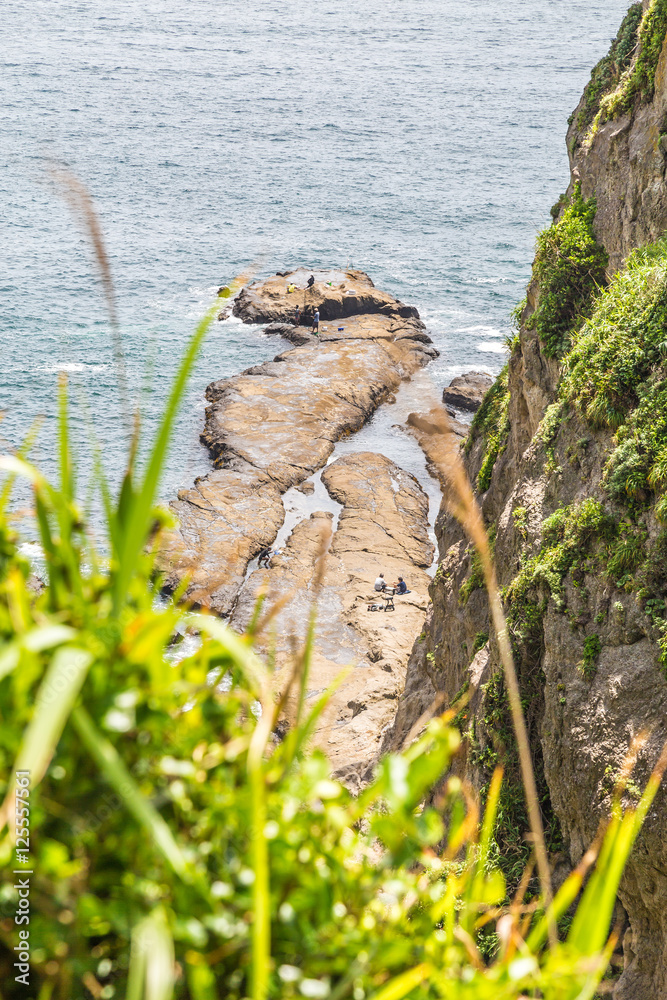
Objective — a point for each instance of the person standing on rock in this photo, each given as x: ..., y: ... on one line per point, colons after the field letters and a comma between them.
x: 297, y: 315
x: 311, y: 281
x: 316, y: 322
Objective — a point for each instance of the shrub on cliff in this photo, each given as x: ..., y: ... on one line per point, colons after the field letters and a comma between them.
x: 620, y: 82
x: 615, y: 374
x: 570, y: 269
x: 637, y: 84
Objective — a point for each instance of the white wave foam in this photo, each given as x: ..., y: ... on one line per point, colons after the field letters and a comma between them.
x: 77, y: 366
x: 492, y: 347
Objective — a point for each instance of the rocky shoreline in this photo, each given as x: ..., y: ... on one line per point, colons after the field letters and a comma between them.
x: 273, y: 428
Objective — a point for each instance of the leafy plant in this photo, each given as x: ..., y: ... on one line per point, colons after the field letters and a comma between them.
x: 520, y: 518
x: 570, y: 267
x: 592, y: 650
x: 608, y: 71
x: 566, y: 537
x: 473, y: 581
x: 480, y: 642
x: 491, y: 422
x: 637, y: 83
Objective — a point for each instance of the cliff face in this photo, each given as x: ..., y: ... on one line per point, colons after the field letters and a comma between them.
x: 617, y: 145
x: 566, y: 454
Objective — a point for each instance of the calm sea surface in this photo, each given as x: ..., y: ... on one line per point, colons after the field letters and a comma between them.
x: 422, y: 141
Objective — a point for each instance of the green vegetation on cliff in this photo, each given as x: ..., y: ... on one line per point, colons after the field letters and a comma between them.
x: 570, y: 269
x: 491, y: 422
x: 623, y: 342
x: 633, y: 82
x: 614, y: 381
x: 607, y: 73
x: 566, y: 536
x: 614, y: 378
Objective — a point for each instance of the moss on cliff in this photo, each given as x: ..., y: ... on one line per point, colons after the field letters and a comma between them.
x: 566, y: 539
x: 570, y: 267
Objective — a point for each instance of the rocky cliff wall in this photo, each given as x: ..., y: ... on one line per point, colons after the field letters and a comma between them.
x: 617, y: 136
x: 566, y: 452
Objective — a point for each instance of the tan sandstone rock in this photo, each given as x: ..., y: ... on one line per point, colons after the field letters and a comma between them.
x: 383, y: 527
x: 269, y: 428
x: 337, y: 294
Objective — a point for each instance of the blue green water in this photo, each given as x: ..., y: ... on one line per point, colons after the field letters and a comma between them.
x: 421, y: 141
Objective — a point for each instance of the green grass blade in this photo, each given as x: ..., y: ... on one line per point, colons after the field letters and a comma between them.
x: 23, y: 451
x: 136, y: 527
x: 151, y: 972
x: 56, y: 696
x: 490, y: 813
x: 252, y: 668
x: 583, y: 930
x: 590, y: 926
x: 403, y: 984
x: 67, y: 485
x: 478, y: 873
x: 201, y: 982
x: 17, y: 466
x: 261, y: 922
x: 305, y: 671
x: 563, y: 899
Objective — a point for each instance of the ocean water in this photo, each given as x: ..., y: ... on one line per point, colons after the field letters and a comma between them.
x: 422, y: 141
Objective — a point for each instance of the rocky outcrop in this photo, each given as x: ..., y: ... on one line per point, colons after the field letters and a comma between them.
x: 269, y: 428
x: 271, y: 431
x: 586, y: 645
x: 337, y: 295
x: 284, y: 416
x: 224, y: 520
x: 466, y: 392
x: 382, y: 527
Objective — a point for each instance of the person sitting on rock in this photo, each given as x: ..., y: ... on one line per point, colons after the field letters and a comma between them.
x: 316, y: 322
x: 311, y: 281
x: 291, y: 287
x: 400, y: 586
x: 380, y: 583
